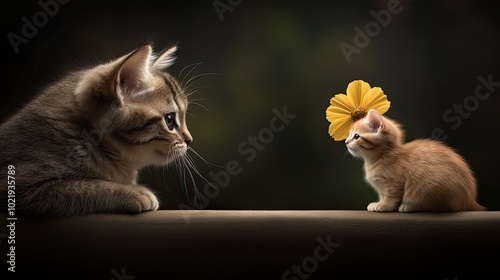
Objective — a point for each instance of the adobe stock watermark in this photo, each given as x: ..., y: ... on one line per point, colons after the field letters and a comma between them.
x: 310, y: 264
x: 458, y: 112
x: 11, y: 219
x: 223, y: 6
x: 249, y: 148
x: 31, y: 26
x: 372, y: 29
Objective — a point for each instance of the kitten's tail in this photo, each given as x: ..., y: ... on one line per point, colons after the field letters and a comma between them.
x: 477, y: 207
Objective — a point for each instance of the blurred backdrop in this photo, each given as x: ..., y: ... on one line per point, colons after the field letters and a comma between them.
x: 264, y: 72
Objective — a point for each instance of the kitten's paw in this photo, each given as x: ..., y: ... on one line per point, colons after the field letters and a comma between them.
x: 143, y: 200
x: 380, y: 207
x: 406, y: 208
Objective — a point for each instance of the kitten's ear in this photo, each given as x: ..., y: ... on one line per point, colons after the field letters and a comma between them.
x: 133, y: 71
x: 374, y: 120
x: 166, y: 59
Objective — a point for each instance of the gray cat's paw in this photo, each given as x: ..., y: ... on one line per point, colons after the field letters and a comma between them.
x: 148, y: 200
x: 143, y: 200
x: 380, y: 207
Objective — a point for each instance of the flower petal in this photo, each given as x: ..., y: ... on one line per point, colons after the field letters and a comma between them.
x: 376, y: 99
x: 342, y: 104
x: 332, y: 116
x: 356, y: 91
x: 339, y: 129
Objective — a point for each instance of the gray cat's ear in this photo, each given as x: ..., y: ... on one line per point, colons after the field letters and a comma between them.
x: 166, y: 59
x: 374, y: 120
x: 134, y: 71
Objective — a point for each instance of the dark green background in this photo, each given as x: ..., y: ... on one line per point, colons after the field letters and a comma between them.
x: 271, y: 54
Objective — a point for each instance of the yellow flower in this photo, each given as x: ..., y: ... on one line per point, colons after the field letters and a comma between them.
x: 344, y: 110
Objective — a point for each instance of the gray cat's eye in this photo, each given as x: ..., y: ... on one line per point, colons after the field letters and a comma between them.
x: 170, y: 119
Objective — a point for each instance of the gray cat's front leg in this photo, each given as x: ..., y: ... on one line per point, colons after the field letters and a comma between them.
x: 67, y: 198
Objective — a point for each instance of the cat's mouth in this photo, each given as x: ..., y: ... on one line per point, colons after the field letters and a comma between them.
x: 180, y: 145
x: 352, y: 150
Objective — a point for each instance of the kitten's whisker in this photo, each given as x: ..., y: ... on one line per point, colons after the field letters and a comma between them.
x: 344, y: 152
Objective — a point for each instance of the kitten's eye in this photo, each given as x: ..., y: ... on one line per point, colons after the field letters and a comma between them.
x: 356, y: 136
x: 170, y: 119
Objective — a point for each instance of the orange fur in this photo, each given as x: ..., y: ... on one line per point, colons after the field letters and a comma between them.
x: 421, y: 175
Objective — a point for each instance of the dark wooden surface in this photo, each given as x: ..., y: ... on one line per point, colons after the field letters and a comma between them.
x: 257, y: 245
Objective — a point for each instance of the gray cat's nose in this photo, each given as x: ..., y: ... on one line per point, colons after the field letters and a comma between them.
x: 187, y: 137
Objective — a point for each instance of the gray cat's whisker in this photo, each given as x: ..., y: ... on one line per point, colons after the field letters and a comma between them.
x: 164, y: 178
x: 192, y: 79
x: 97, y: 128
x: 200, y: 105
x: 193, y: 67
x: 190, y: 65
x: 190, y: 163
x: 196, y: 198
x: 203, y: 159
x: 182, y: 175
x: 190, y: 92
x: 181, y: 170
x: 194, y: 100
x: 193, y: 181
x: 191, y: 89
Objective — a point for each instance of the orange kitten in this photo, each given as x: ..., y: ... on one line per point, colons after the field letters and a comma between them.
x: 422, y: 175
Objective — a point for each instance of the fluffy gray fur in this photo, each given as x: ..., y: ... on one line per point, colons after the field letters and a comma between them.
x: 78, y: 146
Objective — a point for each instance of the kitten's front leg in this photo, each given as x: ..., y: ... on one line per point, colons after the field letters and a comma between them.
x: 389, y: 200
x: 381, y: 207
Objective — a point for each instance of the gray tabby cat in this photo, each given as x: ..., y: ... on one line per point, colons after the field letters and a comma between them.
x: 78, y: 146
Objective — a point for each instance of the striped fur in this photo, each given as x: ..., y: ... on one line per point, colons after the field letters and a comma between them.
x: 78, y: 146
